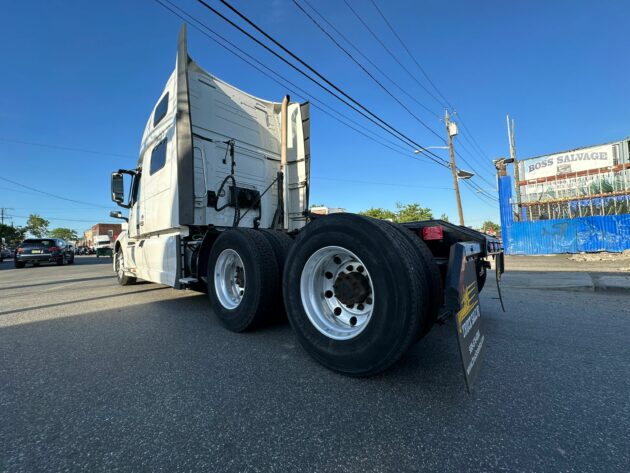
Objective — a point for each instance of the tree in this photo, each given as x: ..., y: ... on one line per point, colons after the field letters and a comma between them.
x: 444, y: 217
x: 37, y: 226
x: 491, y: 227
x: 67, y: 234
x: 381, y: 214
x: 403, y: 213
x: 412, y: 213
x: 12, y: 235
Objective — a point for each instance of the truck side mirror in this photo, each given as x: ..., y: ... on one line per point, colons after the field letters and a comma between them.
x: 117, y: 214
x: 118, y: 188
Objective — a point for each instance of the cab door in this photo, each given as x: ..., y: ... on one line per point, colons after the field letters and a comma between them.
x: 136, y: 214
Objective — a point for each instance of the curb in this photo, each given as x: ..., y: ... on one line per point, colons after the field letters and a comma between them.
x: 608, y: 283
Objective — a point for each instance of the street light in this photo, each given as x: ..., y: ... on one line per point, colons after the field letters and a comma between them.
x: 461, y: 174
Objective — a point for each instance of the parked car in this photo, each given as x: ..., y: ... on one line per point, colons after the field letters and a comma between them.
x: 43, y: 250
x: 5, y: 253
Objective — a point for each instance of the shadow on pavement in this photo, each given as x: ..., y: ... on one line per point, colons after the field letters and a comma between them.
x: 60, y: 281
x: 77, y: 301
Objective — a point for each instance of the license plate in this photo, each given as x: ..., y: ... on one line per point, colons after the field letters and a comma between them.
x: 35, y: 252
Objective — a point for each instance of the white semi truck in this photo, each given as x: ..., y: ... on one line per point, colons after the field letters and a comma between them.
x: 219, y: 200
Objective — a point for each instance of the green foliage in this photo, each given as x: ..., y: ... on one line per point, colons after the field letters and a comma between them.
x: 444, y: 217
x: 64, y: 233
x: 403, y: 213
x: 381, y: 214
x: 37, y: 226
x: 12, y: 235
x: 489, y: 225
x: 412, y: 213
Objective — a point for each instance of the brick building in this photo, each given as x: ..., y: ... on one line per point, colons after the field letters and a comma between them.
x: 324, y: 210
x: 110, y: 229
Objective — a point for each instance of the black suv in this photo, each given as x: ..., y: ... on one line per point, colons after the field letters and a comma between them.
x: 43, y: 250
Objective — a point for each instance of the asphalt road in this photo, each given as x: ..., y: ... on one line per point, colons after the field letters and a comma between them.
x: 97, y: 377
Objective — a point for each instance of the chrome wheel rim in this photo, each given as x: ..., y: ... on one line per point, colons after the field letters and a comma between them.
x: 337, y: 292
x: 229, y: 279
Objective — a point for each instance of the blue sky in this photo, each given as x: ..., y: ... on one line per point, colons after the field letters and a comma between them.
x: 84, y: 76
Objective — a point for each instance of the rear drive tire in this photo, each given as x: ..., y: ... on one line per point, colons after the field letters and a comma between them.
x: 119, y: 264
x: 243, y: 279
x: 353, y: 294
x: 62, y: 261
x: 19, y: 264
x: 432, y: 274
x: 281, y: 244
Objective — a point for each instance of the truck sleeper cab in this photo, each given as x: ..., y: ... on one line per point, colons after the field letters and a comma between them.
x: 218, y: 201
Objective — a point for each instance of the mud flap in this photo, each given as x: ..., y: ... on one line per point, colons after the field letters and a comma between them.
x: 499, y: 267
x: 462, y: 300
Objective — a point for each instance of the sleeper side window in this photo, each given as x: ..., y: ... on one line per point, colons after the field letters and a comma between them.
x: 158, y: 157
x: 160, y: 110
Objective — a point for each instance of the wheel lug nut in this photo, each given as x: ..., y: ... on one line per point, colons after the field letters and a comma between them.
x: 360, y: 269
x: 349, y: 306
x: 337, y: 311
x: 360, y: 306
x: 328, y: 294
x: 350, y: 267
x: 368, y: 300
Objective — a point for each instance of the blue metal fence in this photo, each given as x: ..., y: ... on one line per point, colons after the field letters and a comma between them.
x: 580, y: 234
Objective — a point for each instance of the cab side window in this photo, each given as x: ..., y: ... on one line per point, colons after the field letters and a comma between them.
x: 160, y: 110
x: 158, y: 157
x: 135, y: 189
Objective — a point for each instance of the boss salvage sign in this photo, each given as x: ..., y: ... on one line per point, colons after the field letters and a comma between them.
x: 570, y: 161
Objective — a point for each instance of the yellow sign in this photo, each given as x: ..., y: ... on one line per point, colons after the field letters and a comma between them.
x: 467, y: 304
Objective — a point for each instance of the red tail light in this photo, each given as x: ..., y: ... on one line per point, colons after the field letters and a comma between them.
x: 433, y: 233
x: 53, y: 248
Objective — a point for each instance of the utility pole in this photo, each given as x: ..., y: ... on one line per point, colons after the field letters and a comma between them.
x: 2, y: 209
x: 517, y: 178
x: 451, y: 131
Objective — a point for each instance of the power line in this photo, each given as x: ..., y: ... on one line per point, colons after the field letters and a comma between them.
x: 443, y: 162
x: 406, y: 70
x: 428, y: 78
x: 282, y: 80
x: 55, y: 196
x: 375, y: 66
x: 65, y: 148
x: 485, y: 200
x: 473, y: 168
x: 474, y: 142
x: 367, y: 134
x: 361, y: 108
x: 409, y: 53
x: 393, y: 56
x: 2, y: 213
x: 368, y: 73
x: 394, y: 184
x: 61, y: 219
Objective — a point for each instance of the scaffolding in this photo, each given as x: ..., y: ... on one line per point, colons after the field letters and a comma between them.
x: 600, y: 191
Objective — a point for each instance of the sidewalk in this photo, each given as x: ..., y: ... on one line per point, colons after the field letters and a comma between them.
x: 568, y: 272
